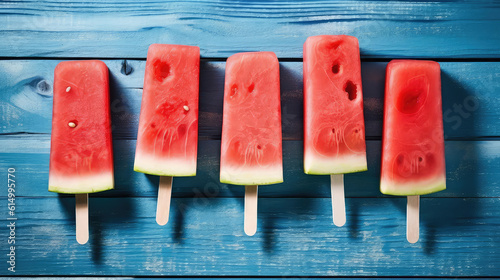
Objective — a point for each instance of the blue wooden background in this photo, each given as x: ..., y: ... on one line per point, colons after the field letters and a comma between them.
x: 460, y: 227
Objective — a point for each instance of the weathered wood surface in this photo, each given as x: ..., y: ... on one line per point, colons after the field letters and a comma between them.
x: 388, y: 29
x: 459, y: 237
x: 473, y: 169
x: 470, y: 98
x: 460, y: 234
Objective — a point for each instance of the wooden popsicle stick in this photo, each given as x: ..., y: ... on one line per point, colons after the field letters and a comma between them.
x: 412, y: 218
x: 251, y: 195
x: 338, y: 199
x: 82, y: 217
x: 164, y: 196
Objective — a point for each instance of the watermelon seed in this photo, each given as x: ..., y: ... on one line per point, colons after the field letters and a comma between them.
x: 72, y: 124
x: 350, y: 88
x: 336, y: 68
x: 186, y: 108
x: 68, y: 89
x: 420, y: 159
x: 251, y: 87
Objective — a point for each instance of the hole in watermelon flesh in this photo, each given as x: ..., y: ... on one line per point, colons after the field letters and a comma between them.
x: 153, y: 125
x: 336, y: 68
x: 161, y: 70
x: 411, y: 101
x: 420, y: 159
x: 350, y: 88
x: 333, y: 130
x: 259, y: 147
x: 413, y: 95
x: 251, y: 87
x: 233, y: 91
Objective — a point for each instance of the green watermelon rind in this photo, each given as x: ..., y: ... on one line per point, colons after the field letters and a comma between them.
x: 353, y: 170
x: 89, y: 184
x: 148, y: 164
x: 58, y: 189
x: 413, y: 188
x: 251, y: 178
x: 340, y: 165
x: 159, y: 173
x: 250, y: 183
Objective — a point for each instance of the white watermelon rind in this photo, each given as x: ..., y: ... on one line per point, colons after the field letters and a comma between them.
x: 164, y: 167
x: 76, y: 184
x: 421, y: 187
x: 318, y: 165
x: 251, y: 176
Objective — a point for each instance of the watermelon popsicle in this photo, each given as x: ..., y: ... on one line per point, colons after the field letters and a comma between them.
x: 81, y: 154
x: 167, y: 140
x: 334, y: 130
x: 251, y: 151
x: 413, y: 161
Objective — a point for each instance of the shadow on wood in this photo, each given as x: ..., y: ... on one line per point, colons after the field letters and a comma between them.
x: 460, y: 115
x: 99, y: 213
x: 211, y: 99
x: 292, y: 108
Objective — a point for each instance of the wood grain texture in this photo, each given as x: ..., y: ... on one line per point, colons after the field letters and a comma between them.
x: 236, y: 278
x: 220, y: 28
x: 470, y: 98
x: 76, y: 278
x: 296, y: 236
x: 459, y: 234
x: 472, y: 171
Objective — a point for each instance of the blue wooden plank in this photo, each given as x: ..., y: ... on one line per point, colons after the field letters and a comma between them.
x: 125, y: 29
x: 296, y: 236
x: 459, y: 234
x: 470, y: 98
x: 473, y: 169
x: 77, y: 278
x: 241, y: 278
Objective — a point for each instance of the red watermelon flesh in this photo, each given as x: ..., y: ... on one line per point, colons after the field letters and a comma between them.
x: 334, y: 129
x: 81, y: 154
x: 413, y: 161
x: 251, y: 152
x: 167, y: 140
